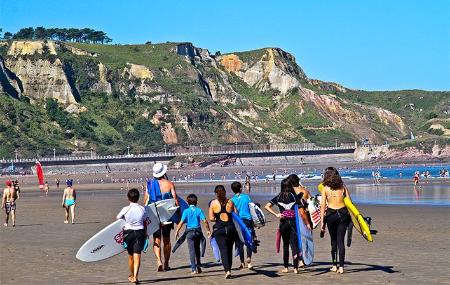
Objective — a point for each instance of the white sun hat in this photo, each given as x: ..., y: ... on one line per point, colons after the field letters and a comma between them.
x: 159, y: 170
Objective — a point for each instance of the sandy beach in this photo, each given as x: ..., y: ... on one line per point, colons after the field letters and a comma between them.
x: 410, y: 248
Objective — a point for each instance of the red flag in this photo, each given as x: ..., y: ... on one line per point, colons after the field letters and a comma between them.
x: 40, y: 175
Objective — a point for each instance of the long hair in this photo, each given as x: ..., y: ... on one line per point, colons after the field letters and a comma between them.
x: 294, y: 180
x: 332, y: 178
x: 286, y: 188
x: 221, y: 194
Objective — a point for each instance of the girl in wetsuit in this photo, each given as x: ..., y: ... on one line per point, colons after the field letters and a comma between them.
x: 335, y: 215
x: 286, y: 201
x: 224, y: 232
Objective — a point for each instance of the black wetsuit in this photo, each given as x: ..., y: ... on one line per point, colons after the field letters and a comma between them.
x: 337, y: 221
x: 287, y: 226
x: 226, y: 235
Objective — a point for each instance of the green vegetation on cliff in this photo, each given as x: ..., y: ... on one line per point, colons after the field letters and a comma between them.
x: 194, y: 99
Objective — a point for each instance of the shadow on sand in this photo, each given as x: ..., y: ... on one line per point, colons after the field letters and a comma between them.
x: 317, y: 268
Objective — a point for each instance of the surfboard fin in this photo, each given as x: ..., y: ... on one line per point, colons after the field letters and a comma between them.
x: 174, y: 208
x: 373, y: 232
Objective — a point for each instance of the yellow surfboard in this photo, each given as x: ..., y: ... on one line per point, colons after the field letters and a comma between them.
x: 320, y: 188
x: 358, y: 220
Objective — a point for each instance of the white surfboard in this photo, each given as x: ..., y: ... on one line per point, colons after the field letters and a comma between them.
x: 259, y: 220
x: 314, y: 209
x: 108, y: 242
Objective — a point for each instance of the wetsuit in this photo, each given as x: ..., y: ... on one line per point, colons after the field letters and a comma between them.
x: 337, y: 221
x: 287, y: 228
x: 226, y: 235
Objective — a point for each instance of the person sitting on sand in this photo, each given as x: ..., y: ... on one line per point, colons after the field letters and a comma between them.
x: 192, y: 217
x: 241, y: 201
x: 158, y: 189
x: 135, y: 232
x: 224, y: 232
x: 68, y: 201
x: 9, y: 203
x: 334, y: 215
x: 286, y: 201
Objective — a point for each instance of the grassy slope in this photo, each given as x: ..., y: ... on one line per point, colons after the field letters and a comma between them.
x: 399, y: 102
x: 151, y: 55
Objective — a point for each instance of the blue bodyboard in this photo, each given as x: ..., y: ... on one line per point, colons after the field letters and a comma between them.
x: 245, y: 235
x: 306, y: 243
x: 215, y: 249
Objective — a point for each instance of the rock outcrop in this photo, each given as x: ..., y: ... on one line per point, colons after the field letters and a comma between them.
x: 18, y: 48
x: 272, y: 71
x: 41, y: 79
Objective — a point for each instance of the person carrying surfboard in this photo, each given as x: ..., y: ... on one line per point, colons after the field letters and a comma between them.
x: 224, y: 231
x: 134, y: 235
x: 286, y: 201
x: 241, y: 202
x: 192, y: 217
x: 335, y: 215
x: 160, y: 188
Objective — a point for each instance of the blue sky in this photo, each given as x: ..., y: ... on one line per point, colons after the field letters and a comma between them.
x: 371, y: 44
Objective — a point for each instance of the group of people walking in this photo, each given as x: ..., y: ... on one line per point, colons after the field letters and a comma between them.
x: 334, y: 216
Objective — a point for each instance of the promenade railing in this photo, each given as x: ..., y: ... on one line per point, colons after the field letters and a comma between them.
x: 198, y: 150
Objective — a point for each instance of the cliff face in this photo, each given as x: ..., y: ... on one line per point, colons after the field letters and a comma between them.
x: 177, y: 93
x: 31, y: 74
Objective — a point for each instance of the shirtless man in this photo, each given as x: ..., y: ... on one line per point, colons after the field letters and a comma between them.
x: 167, y: 189
x: 68, y: 201
x: 9, y: 203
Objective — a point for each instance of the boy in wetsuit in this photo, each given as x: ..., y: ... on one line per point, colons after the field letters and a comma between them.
x: 68, y: 201
x: 241, y: 202
x: 9, y: 203
x: 192, y: 217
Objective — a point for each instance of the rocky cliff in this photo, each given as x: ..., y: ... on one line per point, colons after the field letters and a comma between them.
x: 110, y: 96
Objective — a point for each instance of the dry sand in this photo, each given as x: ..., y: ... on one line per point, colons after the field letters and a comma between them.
x: 411, y: 248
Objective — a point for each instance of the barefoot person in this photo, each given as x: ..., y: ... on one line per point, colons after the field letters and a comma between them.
x: 241, y: 202
x: 335, y: 215
x: 68, y: 201
x: 160, y: 188
x: 134, y: 232
x: 303, y: 195
x: 192, y: 217
x: 46, y: 188
x: 286, y: 201
x: 224, y: 232
x: 9, y: 203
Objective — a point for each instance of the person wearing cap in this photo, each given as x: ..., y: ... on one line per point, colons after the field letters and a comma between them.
x: 68, y: 201
x: 160, y: 188
x: 9, y: 203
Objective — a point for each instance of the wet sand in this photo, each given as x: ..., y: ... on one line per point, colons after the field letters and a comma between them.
x: 410, y: 248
